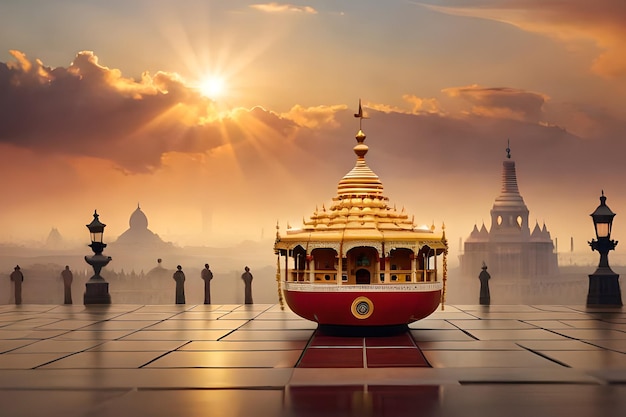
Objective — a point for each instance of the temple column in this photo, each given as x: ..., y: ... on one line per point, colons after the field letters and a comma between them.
x: 413, y: 268
x: 435, y: 264
x: 310, y: 262
x: 387, y: 274
x: 297, y: 267
x: 387, y: 271
x: 339, y: 269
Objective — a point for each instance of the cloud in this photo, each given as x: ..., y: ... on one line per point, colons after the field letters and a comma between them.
x: 382, y: 107
x: 423, y: 105
x: 315, y: 117
x: 602, y: 21
x: 274, y: 7
x: 418, y: 105
x: 91, y: 110
x: 507, y: 103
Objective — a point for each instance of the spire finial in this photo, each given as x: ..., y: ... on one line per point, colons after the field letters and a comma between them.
x: 508, y: 148
x: 360, y: 116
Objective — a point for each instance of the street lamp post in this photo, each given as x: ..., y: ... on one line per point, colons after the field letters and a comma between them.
x: 97, y: 289
x: 604, y: 290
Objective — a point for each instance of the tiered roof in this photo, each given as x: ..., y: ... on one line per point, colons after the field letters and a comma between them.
x: 360, y: 210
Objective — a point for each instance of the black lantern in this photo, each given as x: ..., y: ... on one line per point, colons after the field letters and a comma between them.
x: 603, y: 219
x: 97, y: 289
x: 96, y: 230
x: 604, y: 289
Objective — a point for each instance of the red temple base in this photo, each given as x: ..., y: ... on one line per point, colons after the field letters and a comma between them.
x: 363, y: 308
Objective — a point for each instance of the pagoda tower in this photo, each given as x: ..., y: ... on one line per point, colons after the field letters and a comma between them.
x: 508, y: 247
x: 509, y: 214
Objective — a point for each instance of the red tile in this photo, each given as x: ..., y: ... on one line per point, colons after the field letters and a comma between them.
x: 397, y: 350
x: 392, y: 341
x: 395, y: 357
x: 323, y: 400
x: 332, y: 358
x: 332, y: 341
x: 396, y: 401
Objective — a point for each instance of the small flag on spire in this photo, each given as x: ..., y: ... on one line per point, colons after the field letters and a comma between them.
x: 360, y: 113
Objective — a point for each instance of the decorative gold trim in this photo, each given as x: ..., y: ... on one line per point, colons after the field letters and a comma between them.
x: 278, y: 282
x: 445, y: 267
x: 362, y: 307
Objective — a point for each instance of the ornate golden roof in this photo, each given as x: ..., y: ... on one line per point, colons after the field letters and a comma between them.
x: 360, y: 208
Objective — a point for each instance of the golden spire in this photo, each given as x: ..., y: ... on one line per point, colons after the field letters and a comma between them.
x: 360, y: 202
x: 361, y: 181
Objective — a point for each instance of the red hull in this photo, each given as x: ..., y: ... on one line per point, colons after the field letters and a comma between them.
x: 363, y: 308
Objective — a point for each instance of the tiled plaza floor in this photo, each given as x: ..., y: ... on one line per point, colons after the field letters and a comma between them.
x: 247, y: 360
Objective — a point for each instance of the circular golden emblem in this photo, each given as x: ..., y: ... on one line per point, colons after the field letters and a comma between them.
x: 362, y: 307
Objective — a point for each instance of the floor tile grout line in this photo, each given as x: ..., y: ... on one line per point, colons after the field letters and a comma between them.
x: 545, y: 356
x: 410, y: 335
x: 55, y: 360
x: 155, y: 359
x: 306, y: 347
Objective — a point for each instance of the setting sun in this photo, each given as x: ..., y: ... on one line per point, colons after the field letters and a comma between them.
x: 212, y: 87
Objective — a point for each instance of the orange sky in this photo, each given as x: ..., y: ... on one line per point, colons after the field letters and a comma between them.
x: 445, y: 84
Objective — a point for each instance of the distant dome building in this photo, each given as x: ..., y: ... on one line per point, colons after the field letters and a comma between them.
x: 509, y: 248
x: 138, y: 234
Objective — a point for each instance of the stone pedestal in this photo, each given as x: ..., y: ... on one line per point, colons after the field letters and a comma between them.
x: 97, y: 289
x: 97, y: 292
x: 604, y: 289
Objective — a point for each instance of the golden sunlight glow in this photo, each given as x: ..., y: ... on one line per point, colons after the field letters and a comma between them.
x: 213, y: 87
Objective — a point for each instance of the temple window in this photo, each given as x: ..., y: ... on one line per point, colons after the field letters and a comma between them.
x: 400, y: 259
x: 325, y: 259
x: 362, y: 260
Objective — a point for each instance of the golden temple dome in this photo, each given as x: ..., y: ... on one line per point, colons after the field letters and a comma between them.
x: 361, y: 181
x: 360, y: 203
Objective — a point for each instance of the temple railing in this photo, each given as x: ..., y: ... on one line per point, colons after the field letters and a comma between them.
x: 330, y: 287
x: 389, y: 277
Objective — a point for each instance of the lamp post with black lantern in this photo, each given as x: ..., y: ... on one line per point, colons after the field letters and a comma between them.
x: 97, y: 289
x: 604, y: 289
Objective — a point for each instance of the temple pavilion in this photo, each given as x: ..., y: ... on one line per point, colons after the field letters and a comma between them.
x: 361, y: 261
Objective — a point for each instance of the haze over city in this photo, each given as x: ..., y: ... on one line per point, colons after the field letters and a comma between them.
x: 223, y: 118
x: 198, y: 128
